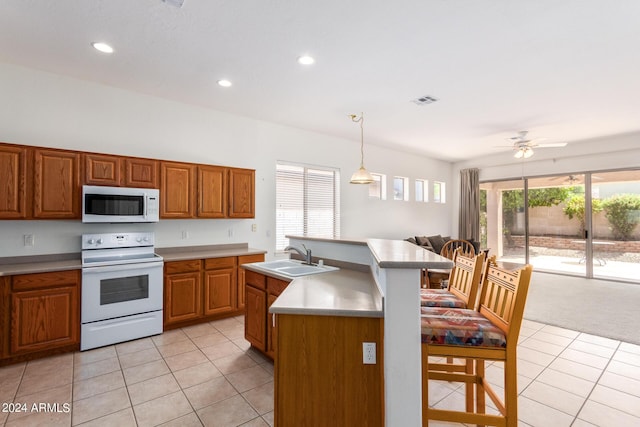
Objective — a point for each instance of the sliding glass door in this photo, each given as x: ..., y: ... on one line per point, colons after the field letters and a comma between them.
x: 557, y: 223
x: 616, y: 225
x: 584, y: 224
x: 502, y: 223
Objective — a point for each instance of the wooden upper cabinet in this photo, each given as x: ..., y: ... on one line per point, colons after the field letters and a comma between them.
x: 241, y: 193
x: 56, y: 190
x: 212, y: 191
x: 13, y: 182
x: 100, y: 169
x: 177, y: 191
x: 141, y: 173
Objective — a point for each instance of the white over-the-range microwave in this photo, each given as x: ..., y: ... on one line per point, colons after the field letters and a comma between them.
x: 120, y: 204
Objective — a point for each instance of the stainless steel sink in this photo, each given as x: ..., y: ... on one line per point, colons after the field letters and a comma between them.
x: 294, y: 268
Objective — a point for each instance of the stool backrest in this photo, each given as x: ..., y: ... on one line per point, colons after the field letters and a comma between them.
x: 450, y: 247
x: 502, y: 298
x: 464, y: 280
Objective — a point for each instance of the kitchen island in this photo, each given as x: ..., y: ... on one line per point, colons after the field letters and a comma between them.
x: 323, y: 321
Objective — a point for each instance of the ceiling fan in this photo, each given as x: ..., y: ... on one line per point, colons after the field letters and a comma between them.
x: 523, y: 145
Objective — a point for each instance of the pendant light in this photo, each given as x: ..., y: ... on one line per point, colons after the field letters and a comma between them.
x: 361, y: 176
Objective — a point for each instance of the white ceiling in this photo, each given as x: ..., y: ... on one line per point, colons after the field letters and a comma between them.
x: 565, y: 70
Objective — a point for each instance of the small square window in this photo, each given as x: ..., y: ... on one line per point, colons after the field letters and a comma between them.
x: 439, y: 192
x: 400, y: 188
x: 422, y: 190
x: 378, y: 188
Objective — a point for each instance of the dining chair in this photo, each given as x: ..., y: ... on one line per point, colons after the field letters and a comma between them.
x: 488, y: 333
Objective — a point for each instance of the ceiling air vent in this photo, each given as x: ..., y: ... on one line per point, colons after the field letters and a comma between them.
x: 424, y: 100
x: 175, y: 3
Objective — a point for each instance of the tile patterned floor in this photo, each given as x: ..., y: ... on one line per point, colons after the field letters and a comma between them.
x: 207, y: 375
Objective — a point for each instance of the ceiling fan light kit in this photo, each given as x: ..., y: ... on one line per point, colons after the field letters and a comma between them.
x: 523, y: 146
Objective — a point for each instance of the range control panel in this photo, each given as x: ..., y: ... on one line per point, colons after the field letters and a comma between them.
x: 117, y: 240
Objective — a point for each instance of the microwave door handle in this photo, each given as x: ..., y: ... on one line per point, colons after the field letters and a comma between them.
x: 146, y: 206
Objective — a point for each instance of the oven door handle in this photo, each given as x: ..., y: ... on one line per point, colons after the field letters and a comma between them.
x: 121, y: 267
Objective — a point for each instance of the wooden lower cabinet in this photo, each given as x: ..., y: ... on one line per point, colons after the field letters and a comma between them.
x: 45, y: 311
x: 245, y: 259
x: 320, y: 379
x: 220, y: 286
x: 201, y: 290
x: 255, y: 317
x: 260, y: 292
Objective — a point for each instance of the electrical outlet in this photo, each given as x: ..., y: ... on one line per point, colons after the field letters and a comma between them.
x: 29, y: 240
x: 231, y: 232
x: 369, y: 353
x: 185, y: 234
x: 254, y: 227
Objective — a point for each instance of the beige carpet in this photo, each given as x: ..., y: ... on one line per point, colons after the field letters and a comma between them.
x: 598, y: 307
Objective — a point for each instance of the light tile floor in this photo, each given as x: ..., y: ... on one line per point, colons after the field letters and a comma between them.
x: 208, y: 375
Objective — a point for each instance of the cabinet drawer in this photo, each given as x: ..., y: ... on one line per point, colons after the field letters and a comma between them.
x: 181, y: 266
x: 225, y: 262
x: 248, y: 259
x: 255, y: 279
x: 276, y: 286
x: 24, y: 282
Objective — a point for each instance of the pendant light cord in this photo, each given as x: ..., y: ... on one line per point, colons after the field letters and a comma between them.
x: 361, y: 120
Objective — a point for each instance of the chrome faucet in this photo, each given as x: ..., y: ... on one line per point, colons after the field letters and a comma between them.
x: 306, y: 255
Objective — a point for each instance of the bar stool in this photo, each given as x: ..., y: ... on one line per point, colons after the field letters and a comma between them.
x: 464, y: 283
x: 488, y: 333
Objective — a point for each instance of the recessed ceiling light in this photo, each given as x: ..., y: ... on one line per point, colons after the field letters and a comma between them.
x: 224, y: 83
x: 102, y: 47
x: 306, y: 60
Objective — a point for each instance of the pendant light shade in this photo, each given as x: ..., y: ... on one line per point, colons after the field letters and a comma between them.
x: 361, y: 176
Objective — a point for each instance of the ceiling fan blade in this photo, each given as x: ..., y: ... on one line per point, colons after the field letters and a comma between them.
x: 551, y: 145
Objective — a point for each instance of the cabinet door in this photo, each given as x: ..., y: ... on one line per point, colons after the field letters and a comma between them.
x: 219, y: 291
x: 141, y: 173
x: 45, y: 311
x: 177, y: 191
x: 212, y: 192
x: 255, y: 317
x: 100, y: 169
x: 56, y: 184
x: 272, y: 334
x: 245, y: 259
x: 5, y: 320
x: 182, y: 298
x: 241, y: 193
x: 13, y: 182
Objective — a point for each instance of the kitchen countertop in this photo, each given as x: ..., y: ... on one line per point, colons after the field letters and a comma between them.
x: 343, y: 292
x: 402, y: 254
x: 71, y: 261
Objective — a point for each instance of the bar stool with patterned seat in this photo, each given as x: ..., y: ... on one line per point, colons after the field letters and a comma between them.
x: 464, y: 283
x: 488, y: 333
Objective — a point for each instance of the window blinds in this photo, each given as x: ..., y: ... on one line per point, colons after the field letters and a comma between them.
x: 307, y: 202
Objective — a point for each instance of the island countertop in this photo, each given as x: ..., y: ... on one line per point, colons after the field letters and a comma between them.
x: 343, y: 292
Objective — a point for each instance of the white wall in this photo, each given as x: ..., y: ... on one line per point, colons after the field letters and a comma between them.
x: 44, y: 109
x: 597, y: 154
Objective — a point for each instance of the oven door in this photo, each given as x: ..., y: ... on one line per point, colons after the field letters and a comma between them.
x: 121, y: 290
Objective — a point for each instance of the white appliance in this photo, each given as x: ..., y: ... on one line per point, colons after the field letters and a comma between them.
x: 122, y: 288
x: 120, y: 204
